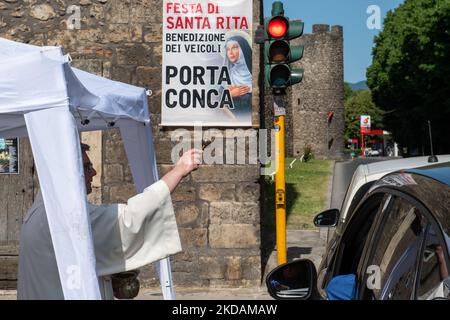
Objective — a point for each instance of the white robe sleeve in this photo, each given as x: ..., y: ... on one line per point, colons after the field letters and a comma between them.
x: 129, y: 236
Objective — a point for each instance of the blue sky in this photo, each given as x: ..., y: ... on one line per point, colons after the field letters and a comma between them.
x: 352, y: 15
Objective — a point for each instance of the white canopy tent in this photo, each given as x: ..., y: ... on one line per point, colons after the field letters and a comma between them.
x: 42, y: 97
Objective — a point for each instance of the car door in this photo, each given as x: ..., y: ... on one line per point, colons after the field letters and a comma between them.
x: 328, y: 263
x: 392, y: 259
x: 350, y: 250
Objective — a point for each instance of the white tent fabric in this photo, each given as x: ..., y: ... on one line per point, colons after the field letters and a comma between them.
x: 49, y: 131
x: 138, y: 146
x: 44, y: 98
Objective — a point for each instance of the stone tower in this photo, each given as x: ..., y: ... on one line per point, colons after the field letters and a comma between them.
x: 320, y: 92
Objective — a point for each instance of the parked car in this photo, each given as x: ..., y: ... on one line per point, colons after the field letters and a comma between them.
x: 374, y: 153
x: 394, y: 244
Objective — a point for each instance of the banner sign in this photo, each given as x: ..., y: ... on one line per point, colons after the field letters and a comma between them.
x: 207, y: 63
x: 9, y: 156
x: 365, y: 124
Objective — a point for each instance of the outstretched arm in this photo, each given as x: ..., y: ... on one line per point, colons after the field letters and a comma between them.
x: 188, y: 162
x: 129, y: 236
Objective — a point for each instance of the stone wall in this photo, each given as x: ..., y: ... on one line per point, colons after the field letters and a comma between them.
x: 217, y: 207
x: 320, y: 92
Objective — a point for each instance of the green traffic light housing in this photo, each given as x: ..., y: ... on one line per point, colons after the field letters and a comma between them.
x: 277, y: 8
x: 295, y: 29
x: 280, y: 76
x: 278, y: 30
x: 280, y: 51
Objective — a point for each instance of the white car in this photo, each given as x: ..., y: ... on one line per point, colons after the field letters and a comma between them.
x: 363, y: 179
x: 366, y: 174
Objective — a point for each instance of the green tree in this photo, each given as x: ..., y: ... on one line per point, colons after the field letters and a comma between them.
x: 409, y: 75
x: 348, y: 91
x: 360, y: 104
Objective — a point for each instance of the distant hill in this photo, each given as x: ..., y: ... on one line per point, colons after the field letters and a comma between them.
x: 362, y: 85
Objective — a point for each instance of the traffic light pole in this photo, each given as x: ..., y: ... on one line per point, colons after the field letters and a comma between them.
x: 280, y: 183
x: 362, y: 144
x: 279, y: 54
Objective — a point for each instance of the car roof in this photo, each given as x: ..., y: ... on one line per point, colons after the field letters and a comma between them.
x: 371, y: 172
x: 399, y: 164
x: 439, y: 172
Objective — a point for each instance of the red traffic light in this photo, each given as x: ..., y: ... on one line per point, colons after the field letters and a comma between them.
x: 277, y: 27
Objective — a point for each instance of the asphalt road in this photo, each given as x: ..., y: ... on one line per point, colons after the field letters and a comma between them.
x: 343, y: 172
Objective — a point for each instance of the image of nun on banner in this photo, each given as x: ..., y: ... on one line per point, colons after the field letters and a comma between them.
x: 238, y: 60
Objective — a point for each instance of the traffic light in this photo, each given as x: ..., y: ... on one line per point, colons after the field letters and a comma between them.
x: 278, y: 52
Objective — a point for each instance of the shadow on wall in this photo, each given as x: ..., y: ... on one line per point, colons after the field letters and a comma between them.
x: 268, y: 234
x: 330, y: 144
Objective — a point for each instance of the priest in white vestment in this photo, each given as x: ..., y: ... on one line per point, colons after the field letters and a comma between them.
x: 126, y: 236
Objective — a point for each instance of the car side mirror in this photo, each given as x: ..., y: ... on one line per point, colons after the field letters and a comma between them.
x: 294, y: 280
x: 327, y: 218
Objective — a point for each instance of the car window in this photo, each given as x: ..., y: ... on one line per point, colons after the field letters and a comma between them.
x: 393, y: 260
x: 355, y: 235
x: 433, y: 269
x: 353, y: 203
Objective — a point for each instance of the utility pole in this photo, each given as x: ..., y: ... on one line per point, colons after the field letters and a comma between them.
x: 280, y: 178
x: 362, y: 144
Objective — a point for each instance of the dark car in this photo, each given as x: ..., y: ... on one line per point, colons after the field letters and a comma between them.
x: 395, y: 244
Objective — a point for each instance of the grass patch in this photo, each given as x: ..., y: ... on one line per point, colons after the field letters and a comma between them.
x: 306, y: 193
